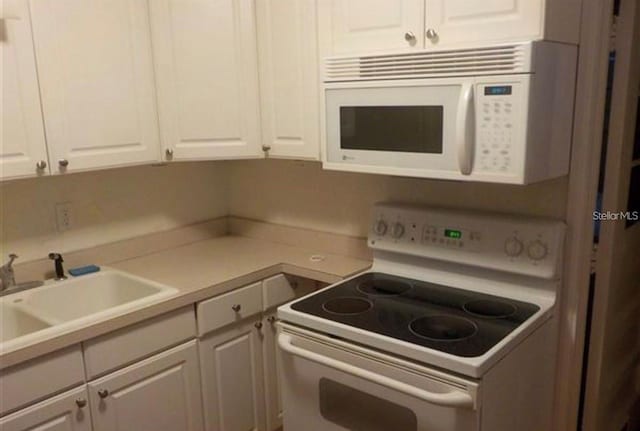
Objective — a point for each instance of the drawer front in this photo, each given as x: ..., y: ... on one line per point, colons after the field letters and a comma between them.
x: 229, y: 308
x: 283, y: 288
x: 132, y: 343
x: 40, y: 378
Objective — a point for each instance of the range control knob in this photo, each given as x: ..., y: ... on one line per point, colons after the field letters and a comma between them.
x: 537, y: 250
x: 380, y: 227
x: 513, y: 247
x: 397, y: 230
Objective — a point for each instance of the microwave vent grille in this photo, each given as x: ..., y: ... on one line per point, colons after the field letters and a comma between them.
x: 504, y: 59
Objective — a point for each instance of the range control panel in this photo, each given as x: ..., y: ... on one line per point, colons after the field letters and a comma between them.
x: 522, y: 245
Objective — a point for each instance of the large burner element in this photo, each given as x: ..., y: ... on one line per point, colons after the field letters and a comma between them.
x: 383, y: 286
x: 489, y: 308
x: 443, y: 328
x: 347, y: 305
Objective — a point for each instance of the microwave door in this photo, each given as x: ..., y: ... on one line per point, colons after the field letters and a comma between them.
x: 394, y: 130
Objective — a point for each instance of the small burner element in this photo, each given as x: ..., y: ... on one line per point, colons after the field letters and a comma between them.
x: 347, y: 305
x: 383, y: 286
x: 443, y: 328
x: 489, y: 308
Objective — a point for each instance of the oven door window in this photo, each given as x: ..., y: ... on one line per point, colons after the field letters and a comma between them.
x: 407, y: 129
x: 358, y: 411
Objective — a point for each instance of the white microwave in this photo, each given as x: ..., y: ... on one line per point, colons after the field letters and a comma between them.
x: 498, y: 114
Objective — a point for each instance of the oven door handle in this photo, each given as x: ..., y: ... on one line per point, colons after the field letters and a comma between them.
x: 456, y: 399
x: 465, y: 129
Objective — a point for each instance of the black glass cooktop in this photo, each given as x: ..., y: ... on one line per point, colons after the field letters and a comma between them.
x: 455, y: 321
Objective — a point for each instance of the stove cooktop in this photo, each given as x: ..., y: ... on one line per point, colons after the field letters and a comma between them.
x: 459, y: 322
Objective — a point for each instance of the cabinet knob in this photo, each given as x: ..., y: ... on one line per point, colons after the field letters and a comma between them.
x: 272, y: 319
x: 41, y: 165
x: 266, y: 148
x: 410, y: 37
x: 236, y: 307
x: 258, y: 325
x: 81, y: 403
x: 63, y: 163
x: 432, y: 34
x: 103, y: 393
x: 169, y: 152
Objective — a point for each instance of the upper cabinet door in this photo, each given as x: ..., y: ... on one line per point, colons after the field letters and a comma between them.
x: 359, y: 26
x: 207, y: 78
x: 288, y: 47
x: 452, y: 23
x: 96, y: 74
x: 22, y: 143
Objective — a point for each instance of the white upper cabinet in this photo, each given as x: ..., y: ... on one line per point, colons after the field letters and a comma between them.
x: 288, y: 49
x: 361, y: 26
x: 96, y: 74
x: 349, y: 26
x: 23, y: 151
x: 207, y: 78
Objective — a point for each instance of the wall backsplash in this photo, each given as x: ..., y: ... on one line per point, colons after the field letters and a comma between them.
x: 108, y: 205
x: 301, y: 194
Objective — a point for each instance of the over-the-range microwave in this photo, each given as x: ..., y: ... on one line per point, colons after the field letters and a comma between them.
x: 498, y: 114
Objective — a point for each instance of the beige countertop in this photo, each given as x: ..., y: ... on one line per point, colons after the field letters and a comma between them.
x: 201, y: 270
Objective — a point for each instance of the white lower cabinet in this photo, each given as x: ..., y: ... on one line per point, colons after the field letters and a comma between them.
x: 231, y: 363
x: 68, y: 411
x: 161, y: 393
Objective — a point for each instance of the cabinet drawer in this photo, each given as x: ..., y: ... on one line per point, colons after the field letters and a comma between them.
x: 124, y: 346
x: 229, y: 308
x: 283, y: 288
x: 37, y: 379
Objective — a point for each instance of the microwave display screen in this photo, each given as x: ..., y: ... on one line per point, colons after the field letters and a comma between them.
x: 409, y: 129
x: 498, y: 90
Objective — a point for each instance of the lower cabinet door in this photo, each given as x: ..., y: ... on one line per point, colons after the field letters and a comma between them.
x: 272, y: 367
x: 232, y: 375
x: 68, y: 411
x: 162, y: 393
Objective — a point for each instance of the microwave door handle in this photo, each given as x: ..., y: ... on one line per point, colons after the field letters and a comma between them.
x: 465, y: 129
x: 456, y: 399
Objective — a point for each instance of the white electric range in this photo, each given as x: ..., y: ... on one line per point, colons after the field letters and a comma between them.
x: 452, y: 329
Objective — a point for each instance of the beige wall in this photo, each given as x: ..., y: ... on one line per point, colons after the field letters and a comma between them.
x: 301, y: 194
x: 108, y: 205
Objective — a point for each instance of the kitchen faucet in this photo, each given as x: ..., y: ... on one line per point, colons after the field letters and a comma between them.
x: 57, y: 260
x: 7, y: 276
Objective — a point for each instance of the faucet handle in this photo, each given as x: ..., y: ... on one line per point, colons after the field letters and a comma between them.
x: 12, y: 257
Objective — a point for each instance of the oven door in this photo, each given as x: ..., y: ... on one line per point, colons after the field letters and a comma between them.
x: 419, y: 129
x: 331, y: 385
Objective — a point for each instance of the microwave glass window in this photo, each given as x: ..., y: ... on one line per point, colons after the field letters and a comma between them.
x: 409, y: 129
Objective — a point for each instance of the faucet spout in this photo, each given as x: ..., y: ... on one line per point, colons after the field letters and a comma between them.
x: 57, y: 261
x: 7, y: 276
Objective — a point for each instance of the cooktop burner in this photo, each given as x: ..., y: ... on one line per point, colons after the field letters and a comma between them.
x: 451, y: 320
x: 347, y: 305
x: 443, y: 327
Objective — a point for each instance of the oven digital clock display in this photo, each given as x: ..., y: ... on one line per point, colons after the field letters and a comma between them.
x: 453, y: 234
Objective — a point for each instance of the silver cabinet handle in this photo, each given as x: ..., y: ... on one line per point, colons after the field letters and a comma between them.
x: 410, y: 37
x: 431, y: 34
x: 103, y: 393
x: 236, y: 307
x: 258, y: 325
x: 63, y: 163
x: 81, y: 403
x: 41, y: 165
x: 266, y: 148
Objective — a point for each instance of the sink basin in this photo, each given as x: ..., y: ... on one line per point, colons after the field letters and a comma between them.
x: 91, y: 294
x: 59, y: 307
x: 15, y: 323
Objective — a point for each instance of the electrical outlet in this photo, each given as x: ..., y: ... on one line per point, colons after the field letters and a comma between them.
x: 64, y: 216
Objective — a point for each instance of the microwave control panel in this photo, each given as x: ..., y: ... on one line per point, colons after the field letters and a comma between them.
x: 496, y: 112
x: 522, y: 245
